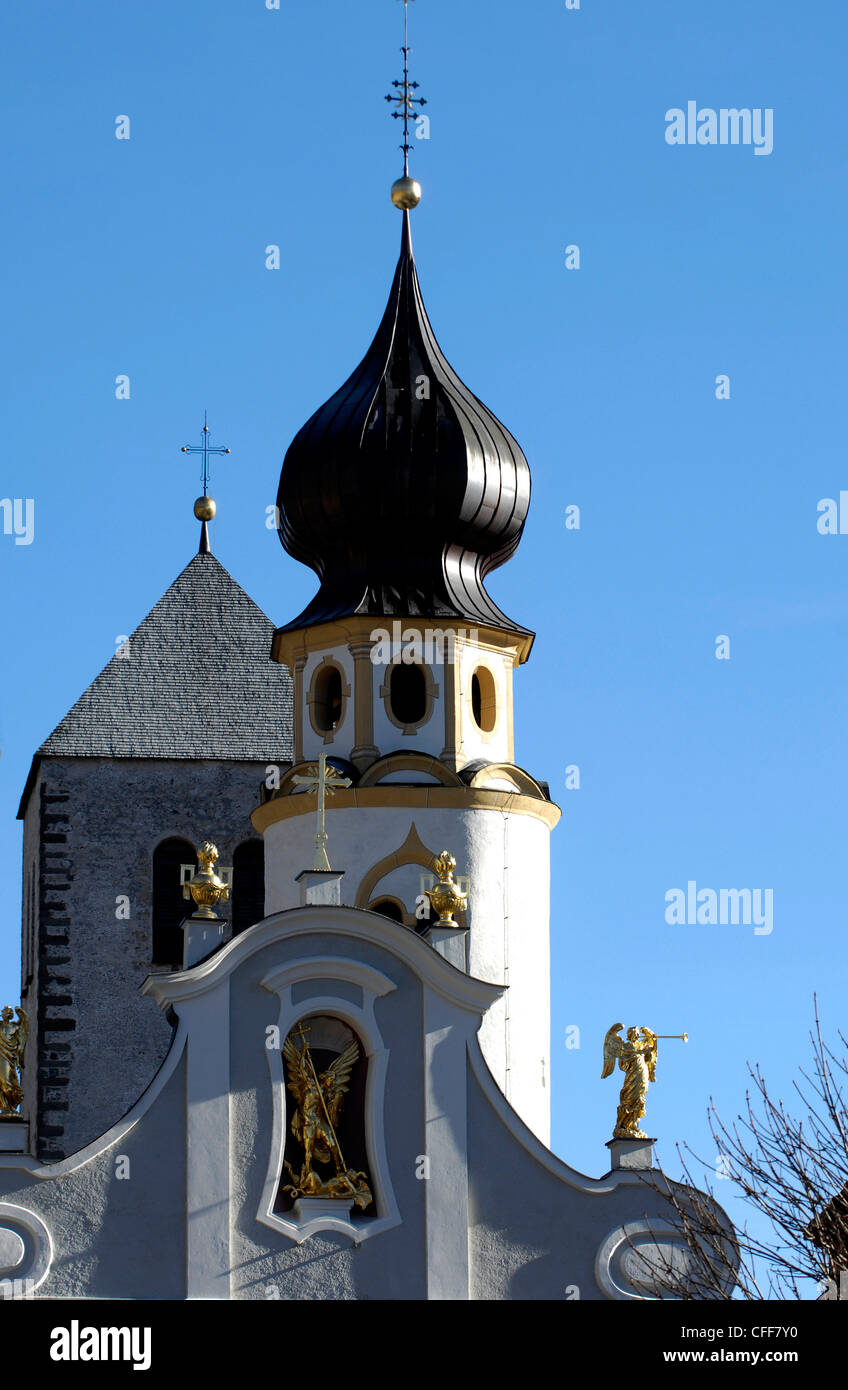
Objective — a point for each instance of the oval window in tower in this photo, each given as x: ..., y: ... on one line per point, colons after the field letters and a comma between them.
x: 484, y: 704
x: 326, y: 700
x: 408, y: 693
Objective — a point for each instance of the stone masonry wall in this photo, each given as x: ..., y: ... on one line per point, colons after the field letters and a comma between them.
x: 95, y: 1041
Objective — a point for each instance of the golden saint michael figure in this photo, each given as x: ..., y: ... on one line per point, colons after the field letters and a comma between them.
x: 319, y: 1097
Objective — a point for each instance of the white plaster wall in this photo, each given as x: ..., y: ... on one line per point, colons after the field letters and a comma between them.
x: 494, y: 747
x: 405, y: 884
x: 529, y: 960
x: 428, y: 738
x: 507, y: 861
x: 343, y: 738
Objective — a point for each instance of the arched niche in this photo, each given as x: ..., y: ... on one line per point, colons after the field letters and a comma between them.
x: 389, y: 907
x: 317, y: 980
x: 169, y: 908
x: 321, y: 1050
x: 247, y: 903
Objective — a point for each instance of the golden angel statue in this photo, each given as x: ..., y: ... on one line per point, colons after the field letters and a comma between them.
x: 13, y: 1037
x: 319, y: 1097
x: 637, y: 1058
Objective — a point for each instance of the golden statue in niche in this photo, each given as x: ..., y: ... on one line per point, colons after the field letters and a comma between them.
x: 637, y: 1058
x: 13, y: 1037
x: 319, y: 1097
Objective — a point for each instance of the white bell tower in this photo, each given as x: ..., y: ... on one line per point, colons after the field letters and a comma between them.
x: 402, y: 500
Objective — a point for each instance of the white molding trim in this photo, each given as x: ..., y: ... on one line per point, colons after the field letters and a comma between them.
x: 34, y: 1266
x: 208, y: 1154
x: 533, y: 1145
x: 354, y: 972
x: 112, y: 1136
x: 463, y: 991
x: 628, y: 1234
x: 446, y: 1192
x: 361, y: 1019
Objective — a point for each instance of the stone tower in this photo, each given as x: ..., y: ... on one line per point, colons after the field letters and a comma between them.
x: 403, y: 492
x: 167, y: 746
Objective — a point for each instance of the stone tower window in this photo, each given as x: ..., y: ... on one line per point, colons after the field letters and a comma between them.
x: 248, y: 898
x: 169, y: 906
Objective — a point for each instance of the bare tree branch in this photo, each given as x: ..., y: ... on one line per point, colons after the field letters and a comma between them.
x: 791, y: 1171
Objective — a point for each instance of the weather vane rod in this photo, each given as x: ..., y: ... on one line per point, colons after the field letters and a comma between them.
x: 406, y: 192
x: 204, y: 507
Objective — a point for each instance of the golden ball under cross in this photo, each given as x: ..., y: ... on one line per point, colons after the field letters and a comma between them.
x: 406, y: 193
x: 205, y: 508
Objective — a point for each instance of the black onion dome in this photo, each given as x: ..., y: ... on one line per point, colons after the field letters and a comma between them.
x: 403, y: 491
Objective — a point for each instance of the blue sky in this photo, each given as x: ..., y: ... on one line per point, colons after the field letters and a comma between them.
x: 146, y: 256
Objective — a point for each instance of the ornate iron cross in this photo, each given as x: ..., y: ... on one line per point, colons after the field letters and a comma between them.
x: 324, y: 781
x: 204, y: 448
x: 404, y: 99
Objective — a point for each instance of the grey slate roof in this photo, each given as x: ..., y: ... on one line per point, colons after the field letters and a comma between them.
x: 199, y: 683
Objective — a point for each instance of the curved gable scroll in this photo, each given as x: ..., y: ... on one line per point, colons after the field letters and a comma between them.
x: 352, y: 1004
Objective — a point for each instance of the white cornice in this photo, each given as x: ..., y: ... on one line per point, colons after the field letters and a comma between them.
x: 463, y: 991
x: 529, y: 1141
x: 117, y: 1132
x: 329, y: 968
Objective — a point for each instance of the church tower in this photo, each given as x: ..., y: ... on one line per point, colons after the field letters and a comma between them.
x: 354, y: 1099
x: 167, y: 745
x: 403, y: 492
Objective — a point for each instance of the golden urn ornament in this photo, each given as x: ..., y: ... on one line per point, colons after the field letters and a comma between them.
x: 206, y: 889
x: 446, y: 898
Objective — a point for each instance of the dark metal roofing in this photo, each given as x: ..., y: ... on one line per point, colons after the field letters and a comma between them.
x: 198, y: 682
x: 403, y: 491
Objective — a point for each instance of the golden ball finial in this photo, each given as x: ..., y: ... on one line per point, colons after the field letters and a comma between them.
x: 205, y: 508
x: 406, y: 193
